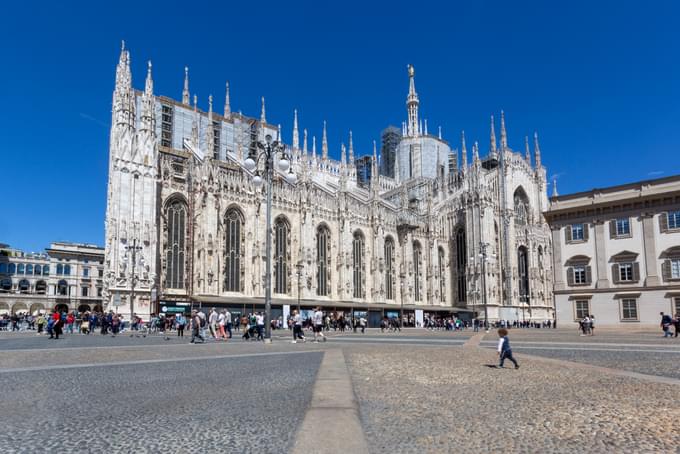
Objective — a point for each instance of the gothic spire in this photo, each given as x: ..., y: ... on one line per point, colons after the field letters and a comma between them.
x: 493, y: 136
x: 463, y: 149
x: 209, y: 130
x: 537, y: 150
x: 343, y: 154
x: 324, y: 143
x: 123, y: 74
x: 279, y: 136
x: 314, y: 148
x: 440, y: 133
x: 504, y: 135
x: 554, y: 191
x: 194, y: 126
x: 412, y: 103
x: 148, y: 86
x: 351, y: 147
x: 375, y: 175
x: 263, y: 116
x: 426, y: 126
x: 296, y: 133
x: 527, y: 153
x: 227, y: 103
x: 304, y: 141
x: 185, y: 92
x: 475, y: 152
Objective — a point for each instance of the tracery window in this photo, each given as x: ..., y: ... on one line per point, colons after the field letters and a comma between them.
x: 389, y: 268
x: 281, y: 255
x: 358, y: 264
x: 442, y: 278
x: 234, y: 251
x: 417, y: 259
x: 461, y: 263
x: 523, y: 269
x: 323, y: 260
x: 176, y: 215
x: 521, y: 207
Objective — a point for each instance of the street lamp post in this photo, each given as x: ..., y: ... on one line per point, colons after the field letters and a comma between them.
x: 133, y: 276
x: 269, y: 151
x: 299, y: 267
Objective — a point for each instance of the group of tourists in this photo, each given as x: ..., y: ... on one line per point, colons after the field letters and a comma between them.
x: 587, y: 325
x: 667, y: 321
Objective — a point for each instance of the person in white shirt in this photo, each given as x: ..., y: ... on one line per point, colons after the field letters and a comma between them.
x: 220, y: 325
x: 318, y: 325
x: 297, y: 327
x: 227, y: 321
x: 212, y: 322
x: 260, y: 326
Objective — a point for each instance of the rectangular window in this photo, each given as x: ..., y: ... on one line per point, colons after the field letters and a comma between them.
x: 577, y: 232
x: 675, y: 269
x: 86, y: 272
x: 582, y: 308
x: 629, y: 310
x: 674, y: 219
x: 623, y: 227
x: 166, y: 126
x: 84, y: 291
x: 100, y: 273
x: 579, y: 274
x: 625, y: 272
x: 99, y: 292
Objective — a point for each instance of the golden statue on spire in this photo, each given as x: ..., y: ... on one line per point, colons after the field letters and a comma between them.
x: 411, y: 71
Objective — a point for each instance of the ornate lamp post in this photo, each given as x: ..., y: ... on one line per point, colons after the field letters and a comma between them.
x: 269, y: 151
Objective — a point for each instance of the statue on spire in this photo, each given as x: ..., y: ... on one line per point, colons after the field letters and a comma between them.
x: 412, y: 103
x: 463, y: 149
x: 351, y: 147
x: 304, y: 142
x: 324, y: 143
x: 493, y: 136
x: 527, y: 152
x: 296, y: 133
x: 185, y: 91
x: 504, y: 135
x: 227, y: 103
x: 263, y: 116
x: 537, y: 151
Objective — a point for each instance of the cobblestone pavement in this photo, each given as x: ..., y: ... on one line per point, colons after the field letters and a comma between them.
x: 448, y: 399
x: 198, y: 406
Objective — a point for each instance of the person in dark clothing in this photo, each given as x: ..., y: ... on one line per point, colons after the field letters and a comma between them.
x: 666, y: 324
x: 504, y: 350
x: 196, y: 327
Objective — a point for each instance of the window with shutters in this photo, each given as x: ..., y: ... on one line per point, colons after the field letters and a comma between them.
x: 675, y: 268
x: 676, y: 305
x: 577, y: 232
x: 621, y: 227
x: 625, y: 272
x: 581, y: 309
x: 674, y: 219
x: 629, y: 310
x: 580, y: 275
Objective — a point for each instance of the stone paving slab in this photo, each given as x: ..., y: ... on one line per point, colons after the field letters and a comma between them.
x: 202, y: 406
x: 449, y: 399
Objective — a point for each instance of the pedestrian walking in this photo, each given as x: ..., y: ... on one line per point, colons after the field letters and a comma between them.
x: 297, y: 327
x: 504, y: 350
x: 180, y: 322
x: 259, y: 320
x: 318, y: 325
x: 196, y: 327
x: 227, y: 322
x: 221, y: 321
x: 212, y: 322
x: 592, y: 325
x: 666, y: 324
x: 676, y: 323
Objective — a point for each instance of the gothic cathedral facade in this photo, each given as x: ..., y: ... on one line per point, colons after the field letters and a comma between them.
x: 186, y: 224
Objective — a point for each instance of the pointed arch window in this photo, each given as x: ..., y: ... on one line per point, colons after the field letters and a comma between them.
x: 461, y: 263
x: 442, y: 279
x: 234, y: 251
x: 358, y: 264
x: 523, y: 271
x: 282, y: 255
x: 417, y: 266
x: 175, y: 246
x: 389, y: 268
x: 323, y: 260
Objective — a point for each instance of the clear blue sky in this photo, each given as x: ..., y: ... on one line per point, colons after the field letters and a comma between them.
x: 599, y: 81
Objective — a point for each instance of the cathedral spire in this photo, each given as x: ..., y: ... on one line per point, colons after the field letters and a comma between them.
x: 148, y: 86
x: 227, y: 103
x: 296, y: 132
x: 412, y: 103
x: 475, y: 153
x: 554, y: 191
x: 263, y: 116
x: 426, y: 126
x: 314, y: 148
x: 194, y: 126
x: 463, y: 149
x: 527, y: 152
x: 537, y: 150
x: 493, y: 136
x: 440, y: 133
x: 504, y: 135
x: 343, y: 155
x: 123, y: 74
x: 351, y: 147
x: 210, y: 130
x: 324, y: 143
x: 304, y: 141
x: 185, y: 92
x: 375, y: 175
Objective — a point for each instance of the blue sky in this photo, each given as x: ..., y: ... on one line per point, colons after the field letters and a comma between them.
x: 599, y: 81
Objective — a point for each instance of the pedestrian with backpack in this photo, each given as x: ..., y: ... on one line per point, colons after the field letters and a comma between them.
x: 196, y: 327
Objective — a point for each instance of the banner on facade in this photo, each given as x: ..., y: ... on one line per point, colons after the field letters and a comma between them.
x: 286, y: 314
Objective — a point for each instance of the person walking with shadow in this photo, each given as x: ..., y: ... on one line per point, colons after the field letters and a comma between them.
x: 196, y: 327
x: 504, y: 350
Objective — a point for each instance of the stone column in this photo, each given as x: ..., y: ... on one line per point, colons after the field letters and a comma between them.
x: 601, y: 255
x: 649, y: 244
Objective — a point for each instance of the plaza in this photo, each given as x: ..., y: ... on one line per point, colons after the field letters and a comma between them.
x: 414, y: 391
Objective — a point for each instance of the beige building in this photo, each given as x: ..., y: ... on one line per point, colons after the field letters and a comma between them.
x: 616, y: 252
x: 67, y: 276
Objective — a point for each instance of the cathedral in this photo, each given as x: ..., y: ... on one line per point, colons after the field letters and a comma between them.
x: 415, y: 228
